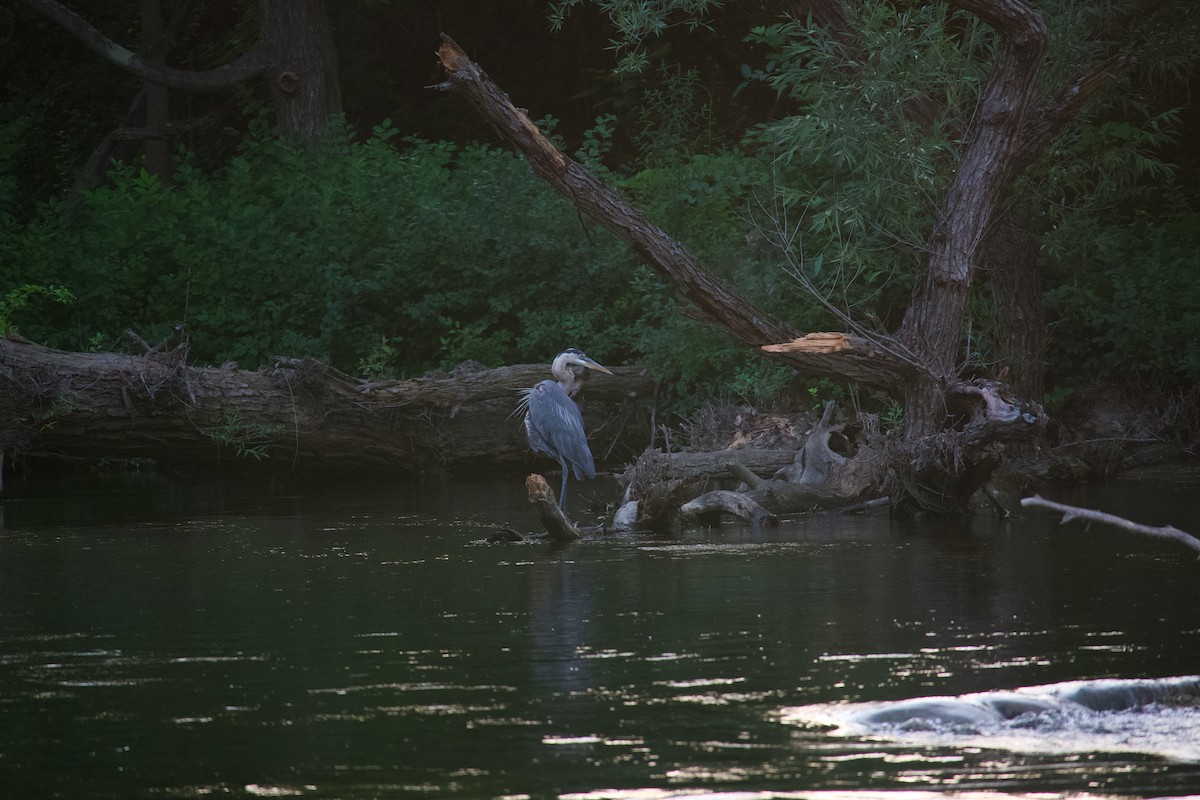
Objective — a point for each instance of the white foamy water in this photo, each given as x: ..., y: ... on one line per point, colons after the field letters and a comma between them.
x: 1153, y: 716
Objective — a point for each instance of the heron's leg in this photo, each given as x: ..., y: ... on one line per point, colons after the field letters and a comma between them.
x: 562, y: 493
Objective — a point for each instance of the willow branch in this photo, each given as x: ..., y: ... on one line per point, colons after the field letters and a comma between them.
x: 1051, y: 117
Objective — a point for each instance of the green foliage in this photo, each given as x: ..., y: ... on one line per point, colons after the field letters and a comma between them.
x: 248, y: 439
x: 394, y: 259
x: 1135, y: 308
x: 636, y: 21
x: 862, y: 164
x: 457, y: 252
x: 379, y: 363
x: 892, y: 418
x: 16, y: 299
x: 674, y: 119
x: 597, y: 142
x: 761, y: 382
x: 823, y: 390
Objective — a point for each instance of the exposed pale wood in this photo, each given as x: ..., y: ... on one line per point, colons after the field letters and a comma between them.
x: 557, y: 526
x: 820, y: 342
x: 711, y: 505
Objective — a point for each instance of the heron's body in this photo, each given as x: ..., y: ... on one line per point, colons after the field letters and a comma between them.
x: 553, y: 422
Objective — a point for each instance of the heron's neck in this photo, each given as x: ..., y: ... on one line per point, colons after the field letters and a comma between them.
x: 569, y: 381
x: 567, y: 377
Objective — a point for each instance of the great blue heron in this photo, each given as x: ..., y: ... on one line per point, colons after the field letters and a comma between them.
x: 552, y: 419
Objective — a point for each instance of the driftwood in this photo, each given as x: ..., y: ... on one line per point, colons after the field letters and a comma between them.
x: 293, y: 415
x: 1071, y: 513
x: 821, y: 477
x: 828, y: 472
x: 712, y: 505
x: 558, y: 527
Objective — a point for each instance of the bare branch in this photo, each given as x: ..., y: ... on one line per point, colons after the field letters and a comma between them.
x: 1073, y: 512
x: 242, y: 69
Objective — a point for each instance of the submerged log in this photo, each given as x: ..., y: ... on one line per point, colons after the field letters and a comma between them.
x: 291, y: 415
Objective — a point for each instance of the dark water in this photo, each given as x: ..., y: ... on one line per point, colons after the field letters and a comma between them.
x: 166, y: 640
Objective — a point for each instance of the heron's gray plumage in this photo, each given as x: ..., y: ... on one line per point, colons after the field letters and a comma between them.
x: 555, y: 428
x: 553, y: 422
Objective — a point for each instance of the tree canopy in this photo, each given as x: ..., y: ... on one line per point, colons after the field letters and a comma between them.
x: 804, y: 151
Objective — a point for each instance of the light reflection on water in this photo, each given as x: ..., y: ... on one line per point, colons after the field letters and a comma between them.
x: 364, y: 643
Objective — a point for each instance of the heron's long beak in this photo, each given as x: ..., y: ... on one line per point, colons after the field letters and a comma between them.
x: 590, y: 364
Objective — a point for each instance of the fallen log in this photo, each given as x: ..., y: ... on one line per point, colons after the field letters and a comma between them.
x: 713, y: 464
x: 710, y: 506
x: 292, y: 415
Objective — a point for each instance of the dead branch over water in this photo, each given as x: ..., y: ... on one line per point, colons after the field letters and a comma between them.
x: 1071, y: 513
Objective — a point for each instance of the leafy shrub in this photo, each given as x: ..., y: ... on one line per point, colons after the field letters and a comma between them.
x: 391, y: 259
x: 322, y: 252
x: 1135, y: 309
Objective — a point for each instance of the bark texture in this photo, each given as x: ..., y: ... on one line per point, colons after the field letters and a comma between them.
x: 933, y: 323
x: 303, y: 71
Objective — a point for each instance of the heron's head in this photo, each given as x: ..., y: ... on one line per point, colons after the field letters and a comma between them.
x: 570, y: 367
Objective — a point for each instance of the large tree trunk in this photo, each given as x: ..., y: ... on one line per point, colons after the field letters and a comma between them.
x: 303, y: 73
x: 157, y: 98
x: 292, y: 416
x: 1009, y: 260
x: 933, y: 324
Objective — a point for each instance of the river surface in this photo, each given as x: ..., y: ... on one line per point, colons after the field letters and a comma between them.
x: 165, y: 639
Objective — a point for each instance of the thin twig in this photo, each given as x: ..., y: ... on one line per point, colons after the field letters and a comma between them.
x: 1073, y: 512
